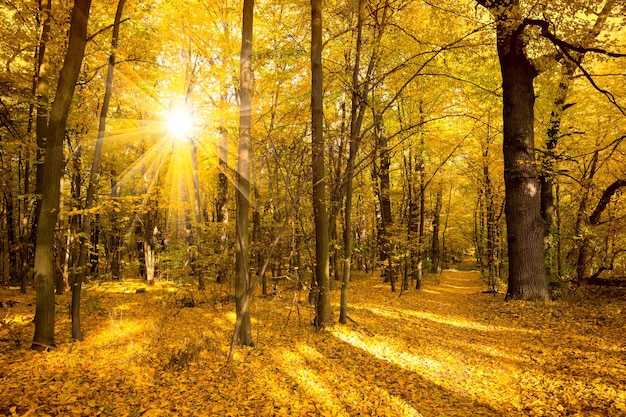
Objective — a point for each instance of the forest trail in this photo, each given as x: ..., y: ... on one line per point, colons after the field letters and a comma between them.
x: 447, y: 350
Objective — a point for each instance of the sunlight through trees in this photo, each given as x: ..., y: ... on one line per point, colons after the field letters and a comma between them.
x: 258, y: 155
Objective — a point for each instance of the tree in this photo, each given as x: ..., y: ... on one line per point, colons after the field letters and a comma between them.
x: 242, y: 281
x: 323, y: 313
x: 91, y: 188
x: 525, y: 227
x: 52, y: 173
x: 569, y: 64
x: 435, y: 251
x: 42, y: 97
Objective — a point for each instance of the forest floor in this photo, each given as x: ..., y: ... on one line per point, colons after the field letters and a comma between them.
x: 447, y: 350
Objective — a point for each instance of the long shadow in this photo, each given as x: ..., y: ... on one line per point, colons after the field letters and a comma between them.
x: 543, y: 355
x: 359, y: 383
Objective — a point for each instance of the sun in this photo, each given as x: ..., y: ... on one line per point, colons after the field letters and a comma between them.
x: 180, y: 123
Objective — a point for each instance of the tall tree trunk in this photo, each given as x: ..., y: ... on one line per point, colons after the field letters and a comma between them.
x: 323, y: 313
x: 356, y: 119
x: 418, y: 231
x: 115, y: 233
x: 91, y: 188
x: 491, y: 225
x: 242, y: 282
x: 11, y: 236
x: 199, y: 213
x: 444, y: 243
x: 42, y: 98
x: 383, y: 182
x: 489, y: 219
x: 479, y: 232
x: 525, y: 226
x: 53, y: 171
x: 221, y: 205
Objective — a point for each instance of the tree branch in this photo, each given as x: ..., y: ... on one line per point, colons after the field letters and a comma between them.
x: 104, y: 29
x: 594, y: 219
x: 567, y: 49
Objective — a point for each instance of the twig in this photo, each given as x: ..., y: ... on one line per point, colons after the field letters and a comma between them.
x: 361, y: 326
x: 16, y: 339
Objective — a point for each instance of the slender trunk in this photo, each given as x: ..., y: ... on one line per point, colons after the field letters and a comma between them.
x: 323, y: 313
x: 115, y: 233
x: 256, y: 237
x: 435, y: 251
x: 199, y: 213
x: 410, y: 216
x: 242, y: 282
x: 559, y: 248
x: 11, y: 236
x: 42, y: 99
x: 91, y: 189
x: 489, y: 221
x: 356, y: 119
x: 420, y: 236
x: 478, y: 233
x: 385, y: 219
x: 418, y: 269
x: 444, y: 243
x: 53, y: 171
x: 221, y: 205
x: 333, y: 254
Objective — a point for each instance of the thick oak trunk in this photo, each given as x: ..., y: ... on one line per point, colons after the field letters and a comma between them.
x: 525, y: 226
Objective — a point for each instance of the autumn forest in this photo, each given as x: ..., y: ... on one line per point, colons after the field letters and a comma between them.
x: 303, y: 208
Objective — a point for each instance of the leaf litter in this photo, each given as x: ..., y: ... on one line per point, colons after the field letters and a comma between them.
x: 447, y: 350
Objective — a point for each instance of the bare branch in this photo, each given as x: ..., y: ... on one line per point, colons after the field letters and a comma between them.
x: 594, y: 219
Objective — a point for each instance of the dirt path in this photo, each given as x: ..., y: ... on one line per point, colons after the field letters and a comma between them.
x: 507, y: 358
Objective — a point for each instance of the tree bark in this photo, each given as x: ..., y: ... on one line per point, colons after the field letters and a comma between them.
x: 13, y: 247
x: 221, y: 205
x: 52, y: 173
x: 418, y: 228
x: 242, y: 281
x: 525, y: 226
x: 115, y: 233
x: 384, y: 216
x: 91, y: 188
x: 42, y: 98
x: 323, y: 313
x: 357, y: 109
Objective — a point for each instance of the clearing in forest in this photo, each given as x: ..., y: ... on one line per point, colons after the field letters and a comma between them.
x: 447, y: 350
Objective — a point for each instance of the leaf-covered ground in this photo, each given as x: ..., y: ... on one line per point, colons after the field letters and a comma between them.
x: 448, y: 350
